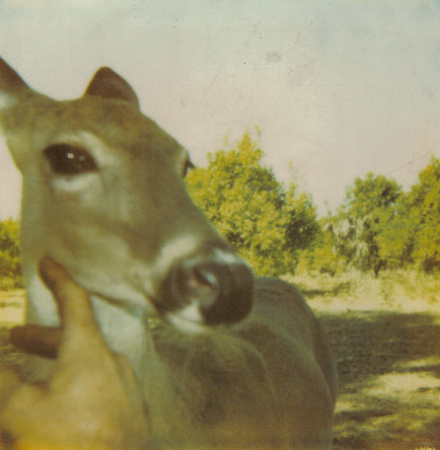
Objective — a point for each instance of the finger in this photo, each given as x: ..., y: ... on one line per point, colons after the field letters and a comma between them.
x: 81, y: 336
x: 37, y: 340
x: 73, y: 301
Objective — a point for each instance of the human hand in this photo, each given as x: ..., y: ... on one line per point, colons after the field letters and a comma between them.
x: 92, y: 398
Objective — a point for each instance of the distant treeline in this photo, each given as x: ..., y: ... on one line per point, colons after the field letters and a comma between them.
x: 275, y: 227
x: 378, y: 226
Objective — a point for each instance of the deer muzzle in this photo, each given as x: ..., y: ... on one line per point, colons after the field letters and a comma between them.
x: 210, y: 290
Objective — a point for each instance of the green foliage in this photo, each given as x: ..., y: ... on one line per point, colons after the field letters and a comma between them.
x: 377, y: 227
x: 369, y: 208
x: 374, y: 193
x: 424, y: 216
x: 10, y: 270
x: 302, y: 227
x: 322, y: 257
x: 397, y: 236
x: 265, y: 221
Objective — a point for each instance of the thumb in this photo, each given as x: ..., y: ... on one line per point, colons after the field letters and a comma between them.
x: 72, y: 300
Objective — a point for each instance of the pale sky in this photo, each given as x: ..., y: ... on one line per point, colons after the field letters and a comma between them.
x: 338, y: 88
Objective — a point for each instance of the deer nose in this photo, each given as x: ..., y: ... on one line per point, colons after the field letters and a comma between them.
x: 209, y: 291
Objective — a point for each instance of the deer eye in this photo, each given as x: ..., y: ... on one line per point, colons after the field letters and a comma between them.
x: 66, y: 159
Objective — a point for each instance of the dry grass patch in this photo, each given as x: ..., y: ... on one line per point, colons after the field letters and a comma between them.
x: 399, y: 290
x: 12, y: 307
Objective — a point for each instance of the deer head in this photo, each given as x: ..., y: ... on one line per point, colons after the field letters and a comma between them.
x: 103, y: 194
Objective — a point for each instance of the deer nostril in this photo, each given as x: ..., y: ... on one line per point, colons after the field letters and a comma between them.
x: 205, y: 278
x: 215, y: 292
x: 203, y: 286
x: 234, y: 294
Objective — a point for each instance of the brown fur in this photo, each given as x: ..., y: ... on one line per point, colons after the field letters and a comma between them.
x: 267, y: 381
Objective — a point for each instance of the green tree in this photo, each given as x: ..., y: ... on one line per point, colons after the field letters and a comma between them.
x: 265, y: 221
x: 423, y: 213
x: 369, y: 208
x: 322, y: 256
x: 10, y: 269
x: 396, y: 240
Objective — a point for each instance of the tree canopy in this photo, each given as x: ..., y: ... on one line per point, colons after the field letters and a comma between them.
x: 267, y: 222
x: 369, y: 207
x: 379, y: 226
x: 423, y: 217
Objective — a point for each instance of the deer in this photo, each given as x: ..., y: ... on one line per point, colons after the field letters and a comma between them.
x: 217, y: 357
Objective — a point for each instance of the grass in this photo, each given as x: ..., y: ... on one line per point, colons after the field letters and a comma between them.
x: 12, y: 307
x: 399, y: 290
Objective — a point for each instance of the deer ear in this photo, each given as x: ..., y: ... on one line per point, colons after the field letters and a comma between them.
x: 109, y: 84
x: 11, y: 85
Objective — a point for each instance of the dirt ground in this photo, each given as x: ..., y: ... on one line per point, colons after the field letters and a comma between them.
x: 389, y: 373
